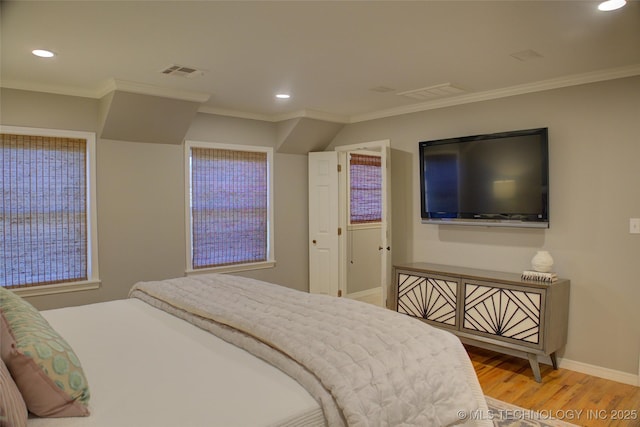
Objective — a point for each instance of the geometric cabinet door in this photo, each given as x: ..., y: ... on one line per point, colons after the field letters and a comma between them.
x: 503, y: 312
x: 429, y: 298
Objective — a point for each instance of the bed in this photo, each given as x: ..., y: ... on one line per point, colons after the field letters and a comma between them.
x: 223, y: 350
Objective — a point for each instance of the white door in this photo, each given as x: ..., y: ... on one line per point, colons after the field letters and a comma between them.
x: 323, y: 223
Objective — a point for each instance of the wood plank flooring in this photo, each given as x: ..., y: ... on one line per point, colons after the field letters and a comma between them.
x: 574, y: 397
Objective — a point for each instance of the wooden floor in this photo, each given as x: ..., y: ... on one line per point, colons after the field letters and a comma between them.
x: 571, y: 396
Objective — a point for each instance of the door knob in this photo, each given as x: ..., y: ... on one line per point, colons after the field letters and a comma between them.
x: 314, y: 242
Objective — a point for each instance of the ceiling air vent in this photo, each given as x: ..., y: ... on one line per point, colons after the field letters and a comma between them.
x: 181, y: 71
x: 381, y: 89
x: 526, y: 55
x: 433, y: 92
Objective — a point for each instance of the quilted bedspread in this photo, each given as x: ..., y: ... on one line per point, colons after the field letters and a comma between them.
x: 365, y: 365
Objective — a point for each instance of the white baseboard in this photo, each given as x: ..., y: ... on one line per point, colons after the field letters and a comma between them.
x: 372, y: 296
x: 599, y: 371
x: 585, y: 368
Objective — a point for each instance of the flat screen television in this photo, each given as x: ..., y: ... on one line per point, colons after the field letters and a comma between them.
x: 500, y: 179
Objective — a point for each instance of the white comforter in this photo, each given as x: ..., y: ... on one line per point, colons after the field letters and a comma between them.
x: 365, y: 365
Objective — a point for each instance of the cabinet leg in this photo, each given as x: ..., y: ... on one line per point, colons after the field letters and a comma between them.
x: 535, y: 367
x: 554, y: 360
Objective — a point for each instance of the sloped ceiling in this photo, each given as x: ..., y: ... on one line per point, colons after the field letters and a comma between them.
x: 347, y: 59
x: 128, y: 116
x: 303, y: 135
x: 137, y: 117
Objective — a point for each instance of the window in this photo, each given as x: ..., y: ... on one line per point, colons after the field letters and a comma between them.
x: 365, y: 189
x: 47, y: 216
x: 229, y: 207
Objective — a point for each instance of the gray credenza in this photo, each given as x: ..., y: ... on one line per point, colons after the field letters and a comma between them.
x: 488, y: 309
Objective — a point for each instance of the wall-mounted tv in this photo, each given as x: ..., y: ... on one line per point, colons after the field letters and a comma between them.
x: 500, y: 179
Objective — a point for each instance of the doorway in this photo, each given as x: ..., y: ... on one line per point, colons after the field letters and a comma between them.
x: 363, y: 235
x: 360, y: 268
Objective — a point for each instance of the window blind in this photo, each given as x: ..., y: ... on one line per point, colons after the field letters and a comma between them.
x: 365, y: 185
x: 229, y: 207
x: 43, y: 216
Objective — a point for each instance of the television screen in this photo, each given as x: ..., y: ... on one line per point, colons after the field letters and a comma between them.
x: 497, y: 179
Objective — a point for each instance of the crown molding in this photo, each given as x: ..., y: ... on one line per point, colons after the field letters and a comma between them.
x: 107, y: 87
x: 310, y: 114
x: 207, y: 109
x: 57, y: 90
x: 152, y: 90
x: 313, y: 114
x: 572, y: 80
x: 145, y: 89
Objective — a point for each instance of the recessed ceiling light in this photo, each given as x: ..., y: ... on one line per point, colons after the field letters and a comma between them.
x: 609, y: 5
x: 43, y: 53
x: 283, y: 96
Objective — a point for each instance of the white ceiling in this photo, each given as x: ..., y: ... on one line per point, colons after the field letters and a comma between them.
x: 328, y: 54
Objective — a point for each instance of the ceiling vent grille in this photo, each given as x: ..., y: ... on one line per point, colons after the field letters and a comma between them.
x: 433, y: 92
x: 526, y: 55
x: 382, y: 89
x: 181, y: 71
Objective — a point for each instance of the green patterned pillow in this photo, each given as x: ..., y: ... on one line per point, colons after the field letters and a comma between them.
x: 43, y: 365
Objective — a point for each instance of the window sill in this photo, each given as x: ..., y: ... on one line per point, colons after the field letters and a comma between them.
x: 32, y: 291
x: 232, y: 268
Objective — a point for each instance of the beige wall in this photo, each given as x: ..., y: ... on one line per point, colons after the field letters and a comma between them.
x: 594, y: 141
x: 363, y: 259
x: 290, y: 195
x: 140, y: 197
x: 594, y: 149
